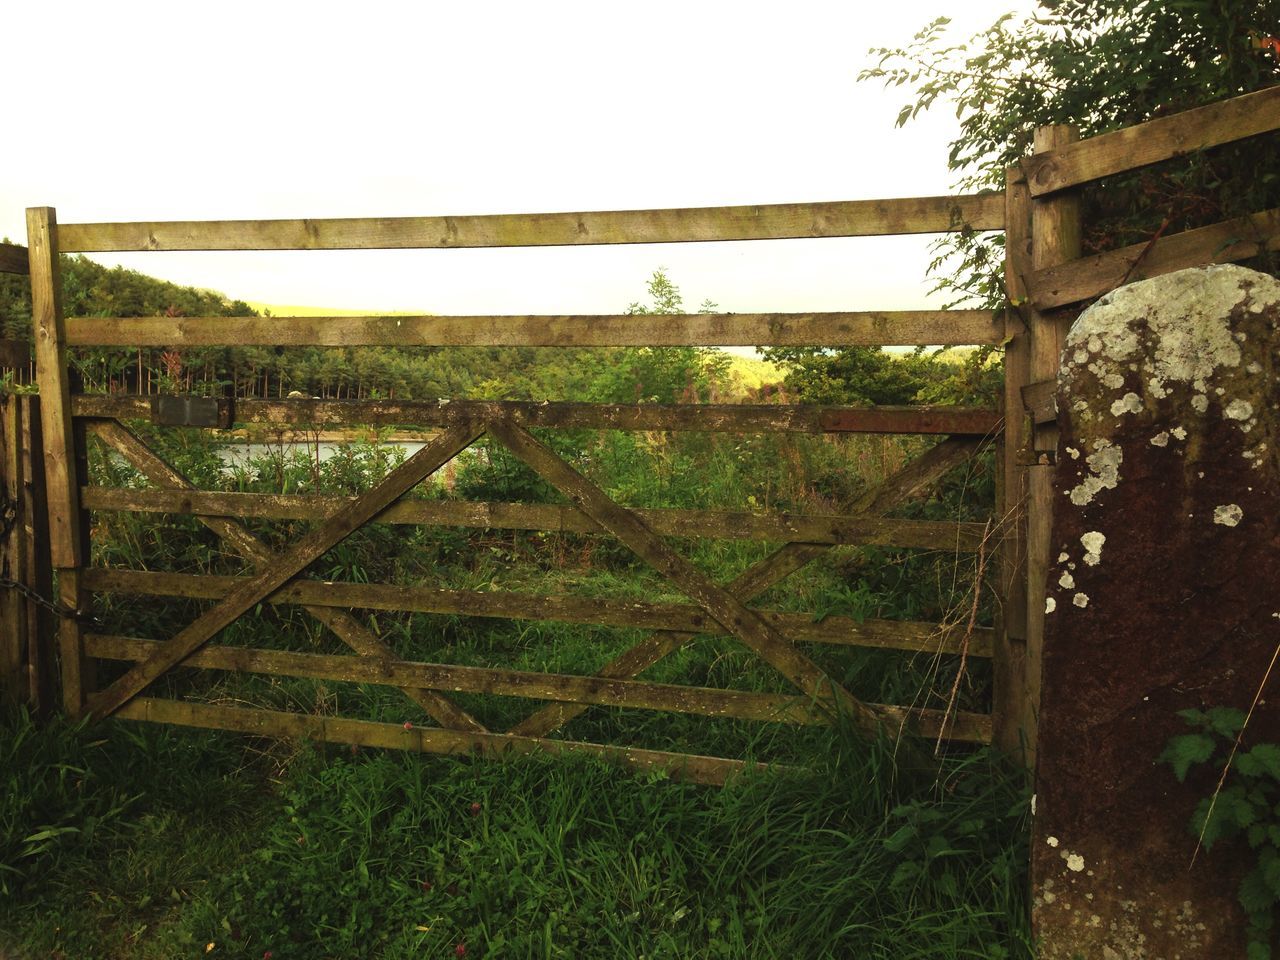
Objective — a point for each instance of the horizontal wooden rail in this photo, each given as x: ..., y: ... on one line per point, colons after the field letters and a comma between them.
x: 563, y: 688
x: 1093, y: 276
x: 709, y: 417
x: 1153, y: 141
x: 861, y: 329
x: 595, y: 611
x: 14, y: 259
x: 718, y: 524
x: 712, y: 771
x: 283, y: 435
x: 843, y: 218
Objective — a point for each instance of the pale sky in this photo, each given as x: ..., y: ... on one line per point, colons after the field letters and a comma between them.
x: 230, y: 110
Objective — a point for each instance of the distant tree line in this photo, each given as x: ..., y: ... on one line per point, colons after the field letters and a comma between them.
x: 606, y: 375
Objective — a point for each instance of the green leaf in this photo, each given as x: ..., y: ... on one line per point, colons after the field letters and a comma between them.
x: 1187, y: 749
x: 1262, y: 760
x: 1226, y: 721
x: 1254, y: 895
x: 49, y: 832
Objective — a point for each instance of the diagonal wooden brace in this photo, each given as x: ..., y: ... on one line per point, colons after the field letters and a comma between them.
x: 906, y: 483
x: 345, y: 626
x: 729, y: 611
x: 288, y: 565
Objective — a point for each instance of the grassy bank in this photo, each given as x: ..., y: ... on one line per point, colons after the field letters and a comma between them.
x: 149, y: 842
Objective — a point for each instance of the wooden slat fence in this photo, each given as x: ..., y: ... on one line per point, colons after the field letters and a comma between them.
x: 717, y: 609
x: 1044, y: 274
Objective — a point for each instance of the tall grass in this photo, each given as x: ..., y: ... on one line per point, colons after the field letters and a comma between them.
x: 147, y: 842
x: 333, y: 853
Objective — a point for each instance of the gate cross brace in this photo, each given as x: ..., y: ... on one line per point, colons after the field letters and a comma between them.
x: 895, y: 489
x: 730, y: 612
x: 347, y: 628
x: 287, y: 565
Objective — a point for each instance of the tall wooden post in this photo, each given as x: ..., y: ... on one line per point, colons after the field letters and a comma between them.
x: 39, y: 570
x: 1012, y: 717
x: 1055, y: 238
x: 61, y: 485
x: 13, y: 634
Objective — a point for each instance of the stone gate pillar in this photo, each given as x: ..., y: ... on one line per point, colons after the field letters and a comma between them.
x: 1164, y: 595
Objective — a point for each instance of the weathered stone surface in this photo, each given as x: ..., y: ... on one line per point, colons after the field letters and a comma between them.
x: 1165, y: 595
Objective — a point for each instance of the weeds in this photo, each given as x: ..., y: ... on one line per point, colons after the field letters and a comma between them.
x: 148, y: 842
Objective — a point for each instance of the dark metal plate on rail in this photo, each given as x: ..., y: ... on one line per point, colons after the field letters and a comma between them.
x: 192, y: 412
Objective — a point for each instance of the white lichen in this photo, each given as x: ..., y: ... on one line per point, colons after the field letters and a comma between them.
x: 1093, y: 541
x: 1161, y: 439
x: 1179, y: 433
x: 1183, y: 317
x: 1066, y: 581
x: 1228, y: 514
x: 1050, y: 604
x: 1129, y: 403
x: 1199, y: 403
x: 1239, y: 410
x: 1051, y: 841
x: 1104, y: 465
x: 1081, y: 600
x: 1075, y: 862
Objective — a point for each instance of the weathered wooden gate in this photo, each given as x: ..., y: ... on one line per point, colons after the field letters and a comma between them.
x: 1044, y: 272
x: 715, y: 608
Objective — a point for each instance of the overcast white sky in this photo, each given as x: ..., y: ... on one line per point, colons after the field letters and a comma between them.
x: 228, y: 110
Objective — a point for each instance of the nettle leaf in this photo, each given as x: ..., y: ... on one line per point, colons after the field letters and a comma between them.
x: 1185, y: 750
x: 1262, y: 760
x: 1255, y: 896
x: 1269, y: 867
x: 1226, y: 721
x: 1235, y: 802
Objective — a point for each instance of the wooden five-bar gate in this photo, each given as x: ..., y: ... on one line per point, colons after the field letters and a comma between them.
x: 1045, y: 277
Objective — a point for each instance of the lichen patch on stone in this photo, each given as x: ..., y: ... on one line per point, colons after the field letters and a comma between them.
x: 1239, y: 410
x: 1129, y: 403
x: 1081, y: 600
x: 1092, y: 542
x: 1228, y: 514
x: 1104, y: 465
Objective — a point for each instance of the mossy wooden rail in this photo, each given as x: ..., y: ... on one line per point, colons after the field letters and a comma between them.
x: 1045, y: 277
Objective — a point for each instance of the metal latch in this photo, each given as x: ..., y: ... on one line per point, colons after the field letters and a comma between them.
x: 188, y: 411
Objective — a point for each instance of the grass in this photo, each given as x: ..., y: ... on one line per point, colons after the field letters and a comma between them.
x: 138, y: 841
x: 182, y: 839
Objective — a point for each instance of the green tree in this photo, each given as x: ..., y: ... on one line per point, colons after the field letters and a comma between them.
x: 1101, y: 65
x: 661, y: 374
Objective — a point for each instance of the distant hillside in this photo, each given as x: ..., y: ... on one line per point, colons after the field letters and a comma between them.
x: 750, y: 373
x: 295, y: 310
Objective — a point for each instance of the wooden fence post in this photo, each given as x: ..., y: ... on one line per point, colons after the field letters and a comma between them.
x: 1012, y: 717
x: 38, y: 575
x: 61, y: 483
x: 13, y: 640
x: 1055, y: 239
